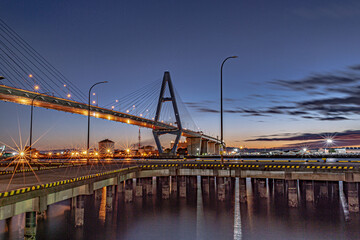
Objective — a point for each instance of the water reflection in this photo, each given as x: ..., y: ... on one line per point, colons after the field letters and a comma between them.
x: 263, y: 214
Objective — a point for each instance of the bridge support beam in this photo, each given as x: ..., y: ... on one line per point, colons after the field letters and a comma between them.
x: 217, y: 148
x: 194, y: 146
x: 204, y: 147
x: 279, y: 187
x: 211, y: 148
x: 30, y: 226
x: 353, y: 196
x: 79, y: 211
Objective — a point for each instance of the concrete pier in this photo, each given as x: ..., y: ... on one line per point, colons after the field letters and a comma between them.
x: 205, y: 185
x: 139, y: 187
x: 79, y: 211
x: 242, y: 186
x: 173, y: 185
x: 182, y: 187
x: 292, y: 191
x: 109, y: 198
x: 309, y: 191
x: 353, y: 196
x: 98, y: 195
x: 148, y: 186
x: 121, y: 187
x: 220, y: 188
x: 279, y: 187
x: 129, y: 190
x: 323, y: 190
x: 262, y: 188
x: 30, y: 226
x: 40, y: 215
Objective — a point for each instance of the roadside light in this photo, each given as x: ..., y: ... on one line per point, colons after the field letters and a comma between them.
x: 21, y: 154
x: 127, y: 150
x: 304, y: 149
x: 84, y: 152
x: 112, y: 107
x: 96, y: 154
x: 108, y: 150
x: 329, y: 141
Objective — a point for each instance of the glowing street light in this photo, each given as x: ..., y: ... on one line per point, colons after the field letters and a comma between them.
x: 329, y: 141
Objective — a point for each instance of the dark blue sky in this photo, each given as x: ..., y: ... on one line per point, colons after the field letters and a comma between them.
x: 291, y: 55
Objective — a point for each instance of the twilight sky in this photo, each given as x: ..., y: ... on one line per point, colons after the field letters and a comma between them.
x: 296, y: 80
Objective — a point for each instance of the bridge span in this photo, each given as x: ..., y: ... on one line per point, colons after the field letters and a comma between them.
x: 137, y: 179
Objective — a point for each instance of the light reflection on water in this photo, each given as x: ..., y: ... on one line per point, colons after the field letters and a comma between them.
x: 198, y: 216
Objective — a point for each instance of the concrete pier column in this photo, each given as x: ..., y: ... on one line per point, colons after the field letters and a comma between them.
x: 109, y: 198
x: 323, y: 190
x: 309, y: 191
x: 205, y: 185
x: 79, y: 211
x: 242, y: 186
x: 204, y: 147
x: 271, y: 185
x: 211, y: 148
x: 292, y: 193
x: 279, y: 187
x: 353, y: 196
x: 174, y: 185
x: 98, y: 194
x: 121, y: 187
x: 182, y: 186
x: 220, y: 188
x: 149, y: 186
x: 193, y: 145
x: 30, y: 226
x: 262, y: 188
x: 193, y: 182
x: 73, y: 203
x: 139, y: 187
x: 129, y: 190
x: 212, y: 184
x: 41, y: 215
x: 217, y: 148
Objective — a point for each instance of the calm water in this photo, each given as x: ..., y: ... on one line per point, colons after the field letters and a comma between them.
x: 199, y: 216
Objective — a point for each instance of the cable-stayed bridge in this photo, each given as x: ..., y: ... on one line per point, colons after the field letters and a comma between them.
x: 30, y: 79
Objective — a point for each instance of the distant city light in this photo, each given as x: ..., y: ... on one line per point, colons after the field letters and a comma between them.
x: 304, y: 149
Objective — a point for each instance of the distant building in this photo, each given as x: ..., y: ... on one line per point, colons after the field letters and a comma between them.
x: 106, y: 147
x: 353, y: 150
x: 147, y: 149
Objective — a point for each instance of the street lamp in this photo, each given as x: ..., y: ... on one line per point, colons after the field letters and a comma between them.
x: 31, y: 120
x: 221, y: 107
x: 88, y: 132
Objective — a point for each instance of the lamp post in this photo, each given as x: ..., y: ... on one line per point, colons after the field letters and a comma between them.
x: 31, y: 120
x: 88, y: 132
x: 221, y: 107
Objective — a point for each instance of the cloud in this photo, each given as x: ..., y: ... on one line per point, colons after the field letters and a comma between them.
x: 317, y: 80
x: 348, y: 136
